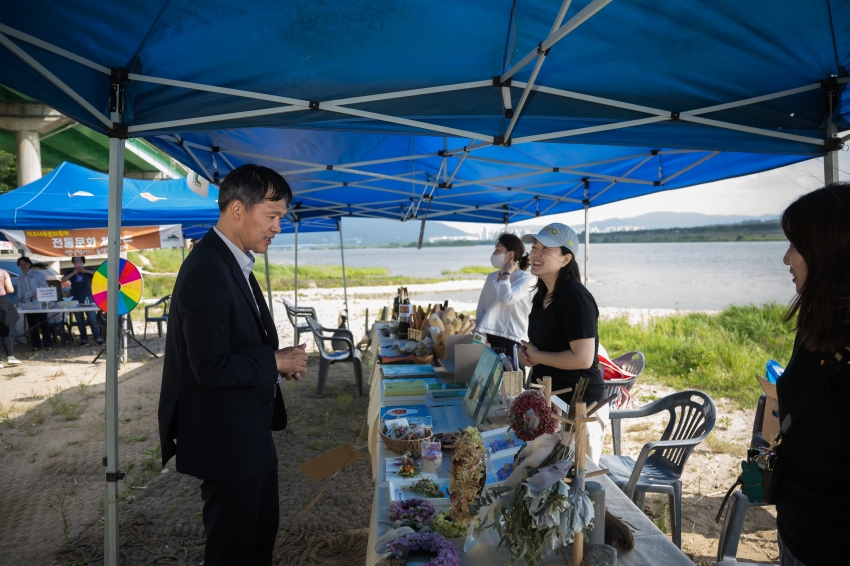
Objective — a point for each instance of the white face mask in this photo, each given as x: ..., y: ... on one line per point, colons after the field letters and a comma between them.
x: 497, y: 260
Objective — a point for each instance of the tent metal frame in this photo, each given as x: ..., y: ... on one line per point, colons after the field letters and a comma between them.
x: 286, y: 105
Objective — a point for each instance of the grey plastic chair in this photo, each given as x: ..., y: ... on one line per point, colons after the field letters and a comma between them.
x: 659, y: 467
x: 329, y: 357
x: 294, y: 313
x: 163, y: 304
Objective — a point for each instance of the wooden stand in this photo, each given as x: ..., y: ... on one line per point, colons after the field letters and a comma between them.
x: 582, y: 416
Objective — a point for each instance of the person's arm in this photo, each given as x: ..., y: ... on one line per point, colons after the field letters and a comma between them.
x: 67, y: 276
x: 579, y: 356
x: 508, y: 292
x: 205, y: 314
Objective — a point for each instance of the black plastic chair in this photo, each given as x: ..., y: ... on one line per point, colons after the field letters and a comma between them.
x: 329, y: 357
x: 739, y: 504
x: 659, y: 467
x: 163, y: 303
x: 633, y: 362
x: 294, y: 313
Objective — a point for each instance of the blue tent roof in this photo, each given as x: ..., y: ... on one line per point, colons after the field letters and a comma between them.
x: 755, y: 81
x: 493, y: 184
x: 71, y: 197
x: 665, y: 57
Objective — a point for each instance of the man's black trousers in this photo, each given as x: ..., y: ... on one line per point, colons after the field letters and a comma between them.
x: 241, y: 520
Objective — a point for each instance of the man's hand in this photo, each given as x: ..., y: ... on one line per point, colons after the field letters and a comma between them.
x: 291, y: 362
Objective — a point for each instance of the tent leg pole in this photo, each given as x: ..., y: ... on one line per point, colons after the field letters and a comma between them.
x: 344, y: 282
x: 269, y: 285
x: 116, y: 187
x: 296, y: 268
x: 830, y: 161
x: 586, y: 229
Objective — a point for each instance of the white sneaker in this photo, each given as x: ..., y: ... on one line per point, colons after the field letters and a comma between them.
x: 13, y: 361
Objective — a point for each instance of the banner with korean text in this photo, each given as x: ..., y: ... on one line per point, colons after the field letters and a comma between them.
x: 74, y: 243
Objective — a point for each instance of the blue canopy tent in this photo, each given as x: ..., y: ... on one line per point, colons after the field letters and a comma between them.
x: 73, y: 197
x: 744, y: 78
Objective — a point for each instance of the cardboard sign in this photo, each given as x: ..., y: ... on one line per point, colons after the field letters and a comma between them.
x: 76, y: 243
x: 46, y: 295
x: 329, y: 463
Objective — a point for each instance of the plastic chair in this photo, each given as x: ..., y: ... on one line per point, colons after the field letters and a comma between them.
x: 294, y: 313
x: 739, y: 504
x: 157, y: 319
x: 329, y: 357
x: 659, y: 467
x: 633, y: 362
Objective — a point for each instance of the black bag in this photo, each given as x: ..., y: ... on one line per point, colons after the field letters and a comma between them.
x: 759, y: 479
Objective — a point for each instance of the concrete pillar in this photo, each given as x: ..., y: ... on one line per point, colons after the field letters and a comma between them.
x: 28, y: 154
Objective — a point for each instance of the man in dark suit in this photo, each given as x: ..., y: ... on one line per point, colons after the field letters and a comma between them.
x: 220, y: 397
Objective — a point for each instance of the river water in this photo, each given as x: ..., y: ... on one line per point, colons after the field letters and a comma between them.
x: 688, y: 276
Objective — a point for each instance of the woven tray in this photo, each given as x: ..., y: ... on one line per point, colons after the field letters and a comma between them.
x: 401, y: 446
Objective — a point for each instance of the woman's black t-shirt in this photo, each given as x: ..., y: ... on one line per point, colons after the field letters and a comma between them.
x: 812, y: 498
x: 572, y: 315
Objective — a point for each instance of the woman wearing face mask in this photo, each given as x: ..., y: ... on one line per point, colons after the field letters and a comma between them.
x: 563, y: 339
x: 505, y: 300
x: 814, y: 389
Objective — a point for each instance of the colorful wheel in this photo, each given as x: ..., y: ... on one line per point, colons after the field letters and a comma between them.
x: 130, y: 287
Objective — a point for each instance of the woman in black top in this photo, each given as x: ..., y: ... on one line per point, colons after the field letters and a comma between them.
x: 563, y: 339
x: 812, y: 498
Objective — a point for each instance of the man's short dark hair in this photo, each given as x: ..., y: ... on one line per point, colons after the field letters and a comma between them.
x: 251, y: 184
x: 25, y: 259
x: 82, y: 258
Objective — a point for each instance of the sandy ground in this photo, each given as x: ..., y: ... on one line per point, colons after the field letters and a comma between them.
x: 52, y: 433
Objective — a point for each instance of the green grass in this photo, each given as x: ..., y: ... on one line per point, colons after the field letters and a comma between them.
x: 720, y: 354
x: 282, y: 276
x: 162, y: 261
x: 471, y: 270
x: 328, y: 276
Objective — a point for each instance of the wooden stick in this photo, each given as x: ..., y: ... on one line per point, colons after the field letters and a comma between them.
x: 601, y: 472
x: 603, y: 403
x: 547, y: 389
x: 564, y: 419
x: 561, y: 391
x: 535, y: 385
x: 580, y: 440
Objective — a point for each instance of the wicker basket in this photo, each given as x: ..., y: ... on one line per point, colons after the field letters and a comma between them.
x: 512, y: 382
x: 402, y: 446
x: 413, y: 334
x: 423, y: 359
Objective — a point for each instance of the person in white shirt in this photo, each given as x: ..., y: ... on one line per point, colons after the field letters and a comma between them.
x: 505, y: 301
x: 28, y: 284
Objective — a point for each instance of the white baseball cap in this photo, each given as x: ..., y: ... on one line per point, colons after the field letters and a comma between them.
x: 555, y: 235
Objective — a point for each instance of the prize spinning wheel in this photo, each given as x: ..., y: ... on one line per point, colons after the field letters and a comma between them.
x: 130, y: 285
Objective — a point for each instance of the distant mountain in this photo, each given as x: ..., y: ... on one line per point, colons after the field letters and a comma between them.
x: 660, y: 220
x: 374, y: 232
x: 657, y: 220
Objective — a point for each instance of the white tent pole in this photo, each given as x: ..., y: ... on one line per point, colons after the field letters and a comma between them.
x: 269, y: 285
x: 586, y: 202
x: 116, y: 187
x: 296, y: 266
x: 830, y: 161
x: 344, y: 281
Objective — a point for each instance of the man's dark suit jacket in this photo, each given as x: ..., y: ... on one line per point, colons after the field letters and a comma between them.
x: 218, y: 399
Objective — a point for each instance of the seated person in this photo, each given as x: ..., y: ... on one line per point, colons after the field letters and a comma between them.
x: 80, y: 279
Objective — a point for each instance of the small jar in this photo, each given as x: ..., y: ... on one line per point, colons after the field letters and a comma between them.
x: 432, y: 457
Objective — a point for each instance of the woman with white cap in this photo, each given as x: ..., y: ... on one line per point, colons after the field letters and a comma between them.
x: 563, y: 337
